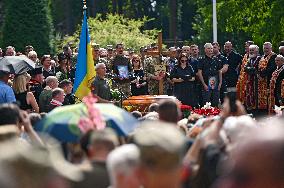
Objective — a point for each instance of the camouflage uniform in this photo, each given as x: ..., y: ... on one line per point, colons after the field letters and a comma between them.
x: 123, y: 85
x: 44, y: 99
x: 109, y: 65
x: 149, y: 67
x: 100, y: 60
x: 170, y: 63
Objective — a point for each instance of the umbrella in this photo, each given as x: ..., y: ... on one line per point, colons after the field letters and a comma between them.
x: 16, y: 64
x: 62, y: 122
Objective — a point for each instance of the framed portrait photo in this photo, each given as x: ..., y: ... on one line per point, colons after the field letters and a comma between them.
x: 123, y: 71
x: 213, y: 83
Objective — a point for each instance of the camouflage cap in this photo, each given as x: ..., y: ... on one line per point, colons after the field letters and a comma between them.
x: 109, y: 47
x: 95, y: 46
x: 29, y: 47
x: 161, y: 145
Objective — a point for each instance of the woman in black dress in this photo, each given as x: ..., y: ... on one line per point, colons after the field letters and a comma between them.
x: 64, y: 70
x: 24, y: 97
x: 183, y: 77
x: 138, y: 81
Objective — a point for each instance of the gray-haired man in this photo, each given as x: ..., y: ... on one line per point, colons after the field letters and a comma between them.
x: 100, y: 86
x: 210, y: 75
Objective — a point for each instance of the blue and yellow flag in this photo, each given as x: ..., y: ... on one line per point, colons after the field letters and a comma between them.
x: 85, y: 69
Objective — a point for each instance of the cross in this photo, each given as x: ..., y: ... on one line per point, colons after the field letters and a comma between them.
x: 159, y: 53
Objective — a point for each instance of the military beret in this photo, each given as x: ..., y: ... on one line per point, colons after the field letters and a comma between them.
x: 37, y: 70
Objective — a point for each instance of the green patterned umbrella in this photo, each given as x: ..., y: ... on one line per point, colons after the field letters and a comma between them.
x: 62, y: 123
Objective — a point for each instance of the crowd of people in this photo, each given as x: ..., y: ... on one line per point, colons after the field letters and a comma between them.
x: 229, y: 150
x: 183, y: 73
x: 256, y: 78
x: 225, y: 151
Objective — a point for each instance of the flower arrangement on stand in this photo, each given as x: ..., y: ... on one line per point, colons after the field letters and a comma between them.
x: 207, y: 110
x: 115, y: 94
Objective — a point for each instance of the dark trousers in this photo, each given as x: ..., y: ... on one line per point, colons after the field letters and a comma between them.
x: 198, y: 92
x: 222, y: 92
x: 211, y: 96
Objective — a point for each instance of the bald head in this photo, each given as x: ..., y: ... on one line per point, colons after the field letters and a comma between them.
x: 258, y: 160
x: 208, y: 48
x: 52, y: 82
x: 228, y: 47
x: 279, y: 60
x: 267, y: 48
x: 101, y: 69
x: 281, y: 50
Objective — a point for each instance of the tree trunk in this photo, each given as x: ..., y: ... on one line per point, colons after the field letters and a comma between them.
x: 114, y: 7
x: 92, y: 9
x: 188, y: 11
x: 1, y: 12
x: 68, y: 17
x: 173, y: 19
x: 120, y: 6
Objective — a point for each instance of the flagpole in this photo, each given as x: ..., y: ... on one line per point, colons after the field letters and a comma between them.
x: 84, y: 4
x: 214, y: 22
x: 85, y: 14
x: 85, y: 70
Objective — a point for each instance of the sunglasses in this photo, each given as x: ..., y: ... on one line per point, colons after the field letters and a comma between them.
x: 183, y: 61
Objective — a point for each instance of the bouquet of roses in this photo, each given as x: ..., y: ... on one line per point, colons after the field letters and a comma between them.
x: 186, y: 110
x: 208, y: 110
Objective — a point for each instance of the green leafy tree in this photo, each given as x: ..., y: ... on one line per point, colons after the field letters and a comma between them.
x: 28, y: 22
x: 174, y: 21
x: 241, y: 20
x: 262, y: 19
x: 115, y: 29
x: 65, y: 21
x: 187, y: 11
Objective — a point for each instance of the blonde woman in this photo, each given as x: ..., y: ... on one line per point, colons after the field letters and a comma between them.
x: 23, y: 96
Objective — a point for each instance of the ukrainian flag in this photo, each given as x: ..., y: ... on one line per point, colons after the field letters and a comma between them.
x: 85, y: 70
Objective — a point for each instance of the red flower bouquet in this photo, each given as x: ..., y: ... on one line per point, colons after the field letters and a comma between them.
x: 208, y: 110
x: 186, y: 110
